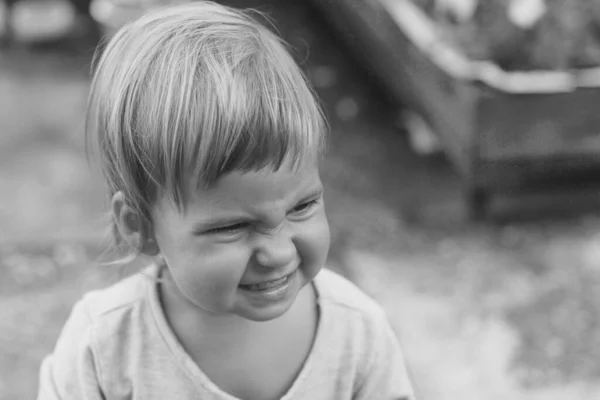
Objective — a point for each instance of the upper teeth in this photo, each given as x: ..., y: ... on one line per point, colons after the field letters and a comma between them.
x: 266, y: 285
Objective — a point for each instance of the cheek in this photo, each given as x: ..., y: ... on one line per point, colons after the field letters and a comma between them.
x: 207, y: 275
x: 313, y: 243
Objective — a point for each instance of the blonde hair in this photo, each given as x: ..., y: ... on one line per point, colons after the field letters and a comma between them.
x: 198, y: 89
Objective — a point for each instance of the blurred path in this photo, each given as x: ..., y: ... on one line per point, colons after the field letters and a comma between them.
x: 494, y: 311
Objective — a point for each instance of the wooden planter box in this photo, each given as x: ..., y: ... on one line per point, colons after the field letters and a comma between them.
x: 503, y: 131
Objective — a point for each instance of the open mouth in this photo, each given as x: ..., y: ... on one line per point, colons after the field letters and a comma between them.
x: 269, y: 285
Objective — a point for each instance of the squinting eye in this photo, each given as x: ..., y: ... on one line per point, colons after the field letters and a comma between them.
x: 304, y: 207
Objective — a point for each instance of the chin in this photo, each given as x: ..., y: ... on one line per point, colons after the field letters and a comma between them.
x: 265, y: 313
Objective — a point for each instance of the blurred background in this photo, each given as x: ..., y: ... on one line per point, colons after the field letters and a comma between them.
x: 461, y: 182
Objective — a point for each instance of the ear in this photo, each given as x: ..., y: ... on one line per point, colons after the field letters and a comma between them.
x: 132, y: 227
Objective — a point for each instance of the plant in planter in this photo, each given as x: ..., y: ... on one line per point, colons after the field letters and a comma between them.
x: 522, y: 34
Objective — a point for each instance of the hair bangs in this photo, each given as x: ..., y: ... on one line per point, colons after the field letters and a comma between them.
x: 261, y: 114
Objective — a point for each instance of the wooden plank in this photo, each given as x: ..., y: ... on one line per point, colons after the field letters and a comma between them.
x: 536, y: 126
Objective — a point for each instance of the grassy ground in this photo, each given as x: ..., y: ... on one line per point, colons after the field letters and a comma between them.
x: 505, y: 309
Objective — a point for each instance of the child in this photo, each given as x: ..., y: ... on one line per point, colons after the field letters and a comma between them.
x: 210, y: 140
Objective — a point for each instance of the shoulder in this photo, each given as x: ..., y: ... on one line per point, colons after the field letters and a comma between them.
x: 104, y: 313
x: 348, y: 312
x: 122, y: 295
x: 338, y: 292
x: 107, y: 321
x: 94, y: 342
x: 360, y: 333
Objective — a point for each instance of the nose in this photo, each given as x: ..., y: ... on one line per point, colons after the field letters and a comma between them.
x: 275, y: 251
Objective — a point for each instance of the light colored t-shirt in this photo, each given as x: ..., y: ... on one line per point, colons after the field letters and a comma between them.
x: 117, y: 345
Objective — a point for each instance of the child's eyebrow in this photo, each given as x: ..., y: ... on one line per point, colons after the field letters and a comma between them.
x: 316, y: 192
x: 207, y: 224
x: 217, y: 221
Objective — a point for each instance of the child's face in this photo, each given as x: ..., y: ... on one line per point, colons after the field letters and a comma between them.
x: 247, y: 229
